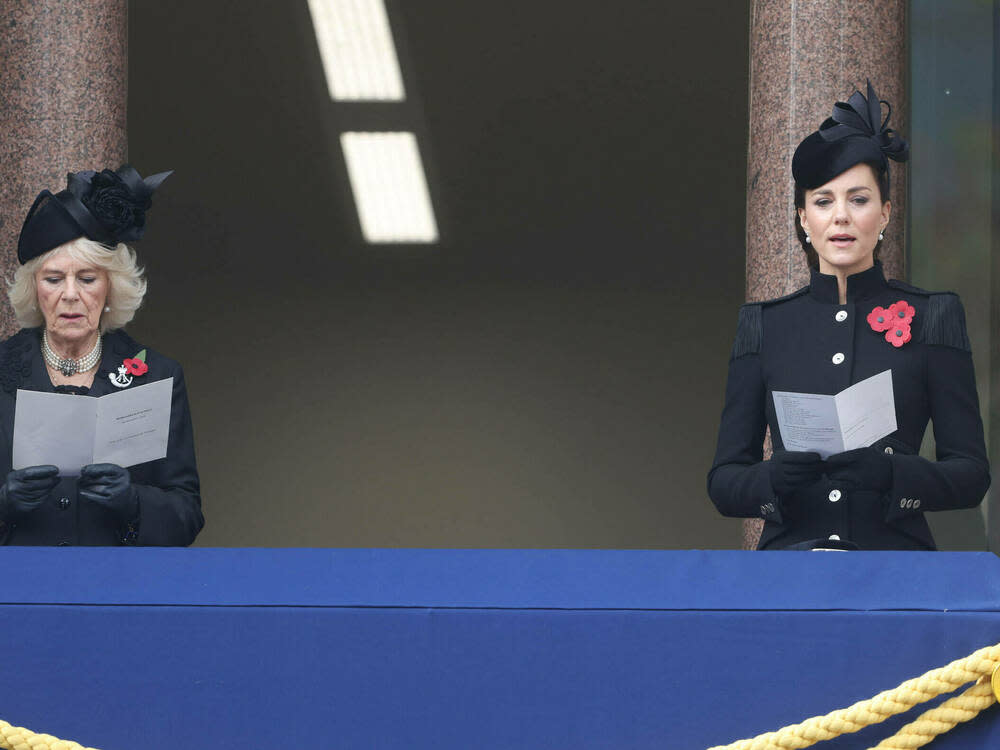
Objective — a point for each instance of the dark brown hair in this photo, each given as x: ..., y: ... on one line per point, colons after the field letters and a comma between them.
x: 881, y: 178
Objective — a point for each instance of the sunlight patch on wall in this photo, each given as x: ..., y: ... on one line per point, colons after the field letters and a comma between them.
x: 358, y: 53
x: 390, y: 190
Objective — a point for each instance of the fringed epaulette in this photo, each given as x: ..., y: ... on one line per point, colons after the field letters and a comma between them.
x: 945, y: 323
x: 14, y: 366
x: 750, y: 328
x: 904, y: 287
x: 749, y: 331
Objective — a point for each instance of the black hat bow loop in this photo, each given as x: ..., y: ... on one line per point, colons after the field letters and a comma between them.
x: 859, y: 117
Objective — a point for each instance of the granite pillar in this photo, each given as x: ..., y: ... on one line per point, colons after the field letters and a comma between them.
x: 63, y: 88
x: 804, y: 56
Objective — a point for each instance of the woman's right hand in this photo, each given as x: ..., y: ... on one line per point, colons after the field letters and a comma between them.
x: 25, y: 489
x: 792, y: 470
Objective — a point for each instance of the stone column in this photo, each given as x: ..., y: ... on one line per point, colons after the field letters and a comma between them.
x: 63, y: 85
x: 804, y: 56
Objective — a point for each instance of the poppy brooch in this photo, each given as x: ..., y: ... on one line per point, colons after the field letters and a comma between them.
x: 894, y: 321
x: 131, y: 367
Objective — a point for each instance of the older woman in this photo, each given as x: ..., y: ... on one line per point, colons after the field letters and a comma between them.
x: 78, y: 284
x: 848, y: 324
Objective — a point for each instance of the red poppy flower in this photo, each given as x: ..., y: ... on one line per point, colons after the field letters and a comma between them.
x: 880, y: 319
x: 902, y: 313
x: 898, y: 335
x: 136, y: 367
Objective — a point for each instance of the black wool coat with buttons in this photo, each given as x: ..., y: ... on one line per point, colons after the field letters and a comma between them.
x: 794, y: 344
x: 168, y: 489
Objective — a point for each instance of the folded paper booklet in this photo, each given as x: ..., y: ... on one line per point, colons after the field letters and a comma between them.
x: 854, y: 418
x: 125, y: 428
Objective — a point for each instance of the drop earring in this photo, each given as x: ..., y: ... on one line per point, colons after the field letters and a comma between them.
x: 808, y: 239
x: 107, y: 308
x: 881, y: 236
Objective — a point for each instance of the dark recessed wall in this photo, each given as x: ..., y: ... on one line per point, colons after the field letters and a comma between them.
x: 951, y: 193
x: 551, y: 373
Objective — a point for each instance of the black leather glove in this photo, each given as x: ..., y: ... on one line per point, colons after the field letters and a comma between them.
x: 792, y: 470
x: 861, y: 469
x: 111, y: 486
x: 25, y: 489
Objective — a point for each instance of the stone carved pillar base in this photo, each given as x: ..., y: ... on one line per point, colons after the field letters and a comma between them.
x: 804, y: 56
x: 63, y: 85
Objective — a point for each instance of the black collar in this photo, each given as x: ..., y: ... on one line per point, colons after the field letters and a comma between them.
x: 860, y: 286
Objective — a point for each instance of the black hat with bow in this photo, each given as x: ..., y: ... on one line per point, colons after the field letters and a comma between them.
x: 854, y: 134
x: 107, y: 207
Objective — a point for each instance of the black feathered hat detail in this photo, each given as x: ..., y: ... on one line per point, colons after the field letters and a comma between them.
x: 855, y: 133
x: 107, y: 207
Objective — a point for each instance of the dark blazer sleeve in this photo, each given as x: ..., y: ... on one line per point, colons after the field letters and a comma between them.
x: 961, y: 475
x: 739, y: 482
x: 168, y: 489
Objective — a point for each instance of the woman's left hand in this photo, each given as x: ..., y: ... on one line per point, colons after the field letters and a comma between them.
x: 111, y: 486
x: 861, y: 469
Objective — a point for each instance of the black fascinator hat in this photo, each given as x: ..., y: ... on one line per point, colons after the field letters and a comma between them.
x: 107, y: 207
x: 854, y: 134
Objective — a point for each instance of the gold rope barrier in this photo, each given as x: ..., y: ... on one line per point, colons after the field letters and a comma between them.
x: 19, y: 738
x: 980, y: 667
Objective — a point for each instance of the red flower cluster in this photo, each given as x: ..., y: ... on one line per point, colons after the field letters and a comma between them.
x: 894, y: 321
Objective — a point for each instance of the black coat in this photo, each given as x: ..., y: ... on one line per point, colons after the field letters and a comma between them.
x: 789, y: 344
x: 168, y: 489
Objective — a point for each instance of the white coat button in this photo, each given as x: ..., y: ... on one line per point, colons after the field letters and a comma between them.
x: 834, y: 496
x: 835, y: 537
x: 888, y: 449
x: 838, y: 358
x: 916, y: 504
x: 902, y: 502
x: 841, y: 316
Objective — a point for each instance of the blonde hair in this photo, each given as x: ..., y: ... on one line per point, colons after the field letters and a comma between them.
x: 126, y: 283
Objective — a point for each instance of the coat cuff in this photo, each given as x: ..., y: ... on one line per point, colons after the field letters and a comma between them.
x: 904, y: 497
x: 744, y: 491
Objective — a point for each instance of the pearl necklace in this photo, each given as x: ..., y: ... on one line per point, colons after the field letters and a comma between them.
x: 69, y: 366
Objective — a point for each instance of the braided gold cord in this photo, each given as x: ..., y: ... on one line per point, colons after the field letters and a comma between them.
x: 980, y: 664
x: 19, y: 738
x: 939, y: 720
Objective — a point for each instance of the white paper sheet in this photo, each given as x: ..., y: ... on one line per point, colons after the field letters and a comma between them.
x: 125, y: 428
x: 854, y: 418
